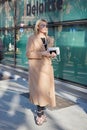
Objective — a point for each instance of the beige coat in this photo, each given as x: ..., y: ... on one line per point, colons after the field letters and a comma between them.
x: 41, y: 77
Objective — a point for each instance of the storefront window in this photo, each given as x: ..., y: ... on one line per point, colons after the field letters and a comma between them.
x: 7, y: 13
x: 21, y: 41
x: 72, y: 63
x: 7, y: 38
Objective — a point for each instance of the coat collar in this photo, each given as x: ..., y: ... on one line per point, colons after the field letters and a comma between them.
x: 39, y: 42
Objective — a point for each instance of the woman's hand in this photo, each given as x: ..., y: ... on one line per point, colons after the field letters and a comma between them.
x: 46, y: 53
x: 53, y: 54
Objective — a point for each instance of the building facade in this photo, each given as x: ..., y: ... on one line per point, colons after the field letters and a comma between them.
x: 67, y: 22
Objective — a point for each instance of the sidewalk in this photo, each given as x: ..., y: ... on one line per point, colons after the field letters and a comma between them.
x: 17, y: 113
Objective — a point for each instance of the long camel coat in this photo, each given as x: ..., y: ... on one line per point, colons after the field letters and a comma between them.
x: 41, y: 77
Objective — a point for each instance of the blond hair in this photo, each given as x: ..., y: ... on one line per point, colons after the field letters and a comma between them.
x: 37, y: 24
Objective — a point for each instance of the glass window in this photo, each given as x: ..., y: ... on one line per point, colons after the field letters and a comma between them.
x: 72, y: 64
x: 21, y: 41
x: 7, y: 37
x: 6, y: 13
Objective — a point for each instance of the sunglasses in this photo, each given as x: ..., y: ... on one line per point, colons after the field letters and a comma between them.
x: 43, y: 26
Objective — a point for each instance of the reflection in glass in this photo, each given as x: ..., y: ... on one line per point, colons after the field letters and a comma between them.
x: 72, y: 41
x: 21, y: 41
x: 8, y: 46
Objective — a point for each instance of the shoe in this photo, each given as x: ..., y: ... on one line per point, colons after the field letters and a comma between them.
x: 41, y: 120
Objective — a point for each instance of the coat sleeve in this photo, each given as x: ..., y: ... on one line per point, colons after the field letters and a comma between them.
x: 31, y: 51
x: 50, y: 41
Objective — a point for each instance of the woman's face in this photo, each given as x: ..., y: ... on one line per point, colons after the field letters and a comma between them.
x: 43, y: 27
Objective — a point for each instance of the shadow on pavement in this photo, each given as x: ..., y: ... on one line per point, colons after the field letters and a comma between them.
x: 82, y: 103
x: 16, y: 112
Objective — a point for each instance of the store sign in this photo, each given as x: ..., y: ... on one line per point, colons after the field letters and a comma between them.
x: 47, y: 6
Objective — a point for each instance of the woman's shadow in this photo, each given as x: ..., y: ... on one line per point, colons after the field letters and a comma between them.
x: 30, y: 106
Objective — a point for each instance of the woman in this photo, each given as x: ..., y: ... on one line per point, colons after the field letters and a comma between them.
x: 41, y: 77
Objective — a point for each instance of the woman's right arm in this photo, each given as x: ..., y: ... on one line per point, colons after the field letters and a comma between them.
x: 31, y: 51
